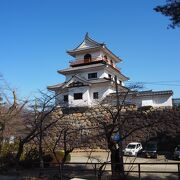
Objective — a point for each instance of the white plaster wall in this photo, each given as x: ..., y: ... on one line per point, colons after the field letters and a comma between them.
x: 71, y: 102
x: 128, y: 100
x: 98, y: 88
x: 85, y: 74
x: 155, y: 101
x: 59, y: 100
x: 80, y: 102
x: 103, y: 74
x: 147, y: 102
x: 103, y: 90
x: 106, y: 72
x: 100, y: 74
x: 95, y: 54
x: 162, y: 101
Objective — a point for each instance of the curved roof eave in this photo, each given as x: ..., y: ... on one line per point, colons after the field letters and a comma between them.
x: 81, y: 68
x: 74, y: 52
x: 116, y: 58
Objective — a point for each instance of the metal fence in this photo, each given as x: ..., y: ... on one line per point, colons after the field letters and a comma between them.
x: 137, y: 170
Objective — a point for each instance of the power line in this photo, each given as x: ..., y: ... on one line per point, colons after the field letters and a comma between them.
x: 166, y: 83
x: 157, y: 81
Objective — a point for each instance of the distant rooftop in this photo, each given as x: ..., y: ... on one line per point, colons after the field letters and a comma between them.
x: 149, y: 93
x: 176, y: 101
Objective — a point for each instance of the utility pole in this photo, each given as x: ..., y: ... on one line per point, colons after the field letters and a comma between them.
x: 120, y: 152
x: 117, y: 93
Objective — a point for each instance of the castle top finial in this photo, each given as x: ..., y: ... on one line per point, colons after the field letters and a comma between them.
x: 86, y: 35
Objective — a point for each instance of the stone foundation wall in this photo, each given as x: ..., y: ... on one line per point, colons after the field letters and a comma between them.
x: 86, y: 118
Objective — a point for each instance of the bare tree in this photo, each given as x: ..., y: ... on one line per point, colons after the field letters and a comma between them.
x: 38, y: 119
x: 123, y: 122
x: 10, y: 114
x: 64, y: 137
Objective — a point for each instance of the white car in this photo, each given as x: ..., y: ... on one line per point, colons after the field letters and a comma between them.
x: 132, y: 149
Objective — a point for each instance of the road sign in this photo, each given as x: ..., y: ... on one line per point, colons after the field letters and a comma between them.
x: 116, y: 137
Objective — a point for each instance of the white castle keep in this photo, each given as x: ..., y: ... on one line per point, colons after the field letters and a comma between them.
x: 91, y: 78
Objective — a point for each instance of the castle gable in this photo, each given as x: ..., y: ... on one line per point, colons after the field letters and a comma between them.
x: 88, y: 43
x: 76, y: 81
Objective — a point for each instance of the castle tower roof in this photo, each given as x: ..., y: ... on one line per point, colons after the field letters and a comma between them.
x: 89, y: 44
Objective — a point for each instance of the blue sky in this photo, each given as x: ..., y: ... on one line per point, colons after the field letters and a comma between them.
x: 35, y: 35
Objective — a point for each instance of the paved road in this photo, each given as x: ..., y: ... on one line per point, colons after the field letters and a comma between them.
x: 105, y: 156
x: 88, y: 157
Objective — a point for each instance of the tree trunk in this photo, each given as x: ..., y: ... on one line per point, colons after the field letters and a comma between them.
x: 41, y: 161
x: 117, y: 167
x: 19, y: 153
x: 120, y: 155
x: 41, y: 155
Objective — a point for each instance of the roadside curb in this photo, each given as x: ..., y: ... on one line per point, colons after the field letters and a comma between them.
x: 89, y: 150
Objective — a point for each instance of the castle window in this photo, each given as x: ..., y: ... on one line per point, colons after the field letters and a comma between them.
x: 65, y: 98
x: 92, y: 75
x: 77, y: 96
x: 109, y: 76
x: 87, y: 58
x: 95, y: 95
